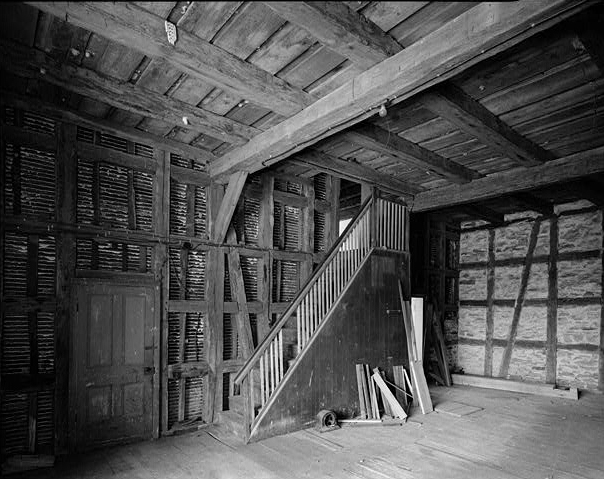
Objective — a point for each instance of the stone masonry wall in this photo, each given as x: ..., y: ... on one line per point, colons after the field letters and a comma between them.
x: 485, y: 317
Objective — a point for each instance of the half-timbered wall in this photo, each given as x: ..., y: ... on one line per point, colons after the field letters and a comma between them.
x: 78, y: 202
x: 531, y: 298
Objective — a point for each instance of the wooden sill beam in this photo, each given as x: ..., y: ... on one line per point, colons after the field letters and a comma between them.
x: 31, y: 63
x: 562, y: 170
x: 477, y: 34
x: 354, y: 171
x: 458, y: 108
x: 377, y: 139
x: 137, y: 28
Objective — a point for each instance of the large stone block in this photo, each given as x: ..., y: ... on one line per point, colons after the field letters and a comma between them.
x: 472, y: 322
x: 473, y: 246
x: 580, y: 232
x: 577, y: 368
x: 470, y: 358
x: 507, y: 282
x: 532, y: 324
x: 525, y: 364
x: 513, y: 240
x: 579, y: 324
x: 537, y: 286
x: 473, y: 284
x: 580, y: 279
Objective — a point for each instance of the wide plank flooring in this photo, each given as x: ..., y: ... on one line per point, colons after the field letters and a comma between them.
x: 502, y: 435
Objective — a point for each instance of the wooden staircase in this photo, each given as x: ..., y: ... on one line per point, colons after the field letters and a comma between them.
x: 380, y: 224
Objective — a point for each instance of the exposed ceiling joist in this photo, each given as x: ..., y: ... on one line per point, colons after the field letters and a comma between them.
x: 30, y: 63
x: 483, y: 213
x: 135, y: 27
x: 479, y: 33
x: 83, y: 119
x: 556, y: 171
x: 458, y: 108
x: 353, y: 171
x: 534, y: 204
x: 377, y: 139
x: 341, y: 29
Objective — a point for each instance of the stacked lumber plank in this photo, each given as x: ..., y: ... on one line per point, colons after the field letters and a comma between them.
x: 420, y: 386
x: 375, y: 396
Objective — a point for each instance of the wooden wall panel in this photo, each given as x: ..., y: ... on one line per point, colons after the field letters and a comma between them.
x: 360, y: 331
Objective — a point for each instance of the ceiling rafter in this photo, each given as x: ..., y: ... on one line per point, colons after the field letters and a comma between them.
x: 377, y: 139
x: 440, y: 55
x: 365, y: 44
x: 458, y: 108
x: 31, y: 63
x: 135, y: 27
x: 561, y: 170
x: 353, y: 171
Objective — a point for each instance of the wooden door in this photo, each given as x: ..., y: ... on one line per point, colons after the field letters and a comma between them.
x: 112, y: 364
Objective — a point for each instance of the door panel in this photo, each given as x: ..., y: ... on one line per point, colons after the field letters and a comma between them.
x: 112, y: 364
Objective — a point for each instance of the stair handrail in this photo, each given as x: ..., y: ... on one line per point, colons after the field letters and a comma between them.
x: 264, y: 344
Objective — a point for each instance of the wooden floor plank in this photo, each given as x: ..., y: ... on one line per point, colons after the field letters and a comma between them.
x: 512, y: 436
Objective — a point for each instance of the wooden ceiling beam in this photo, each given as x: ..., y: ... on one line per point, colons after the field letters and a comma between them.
x: 377, y: 139
x: 561, y: 170
x: 341, y: 29
x: 477, y: 34
x: 458, y: 108
x: 31, y: 63
x: 483, y: 213
x: 353, y: 171
x: 137, y: 28
x: 67, y: 114
x: 534, y: 204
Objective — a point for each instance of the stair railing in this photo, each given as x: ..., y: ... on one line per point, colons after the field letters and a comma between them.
x: 379, y: 223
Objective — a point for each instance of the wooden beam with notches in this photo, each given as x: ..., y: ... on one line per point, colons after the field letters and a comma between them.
x: 479, y: 33
x: 561, y: 170
x: 30, y: 63
x: 128, y: 24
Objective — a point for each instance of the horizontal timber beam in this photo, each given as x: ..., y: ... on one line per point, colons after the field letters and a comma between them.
x: 340, y: 29
x: 137, y: 28
x: 477, y: 34
x: 67, y: 114
x: 458, y: 108
x: 31, y: 63
x: 561, y: 170
x: 377, y: 139
x: 353, y: 171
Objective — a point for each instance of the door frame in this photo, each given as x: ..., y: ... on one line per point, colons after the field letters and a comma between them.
x: 118, y: 279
